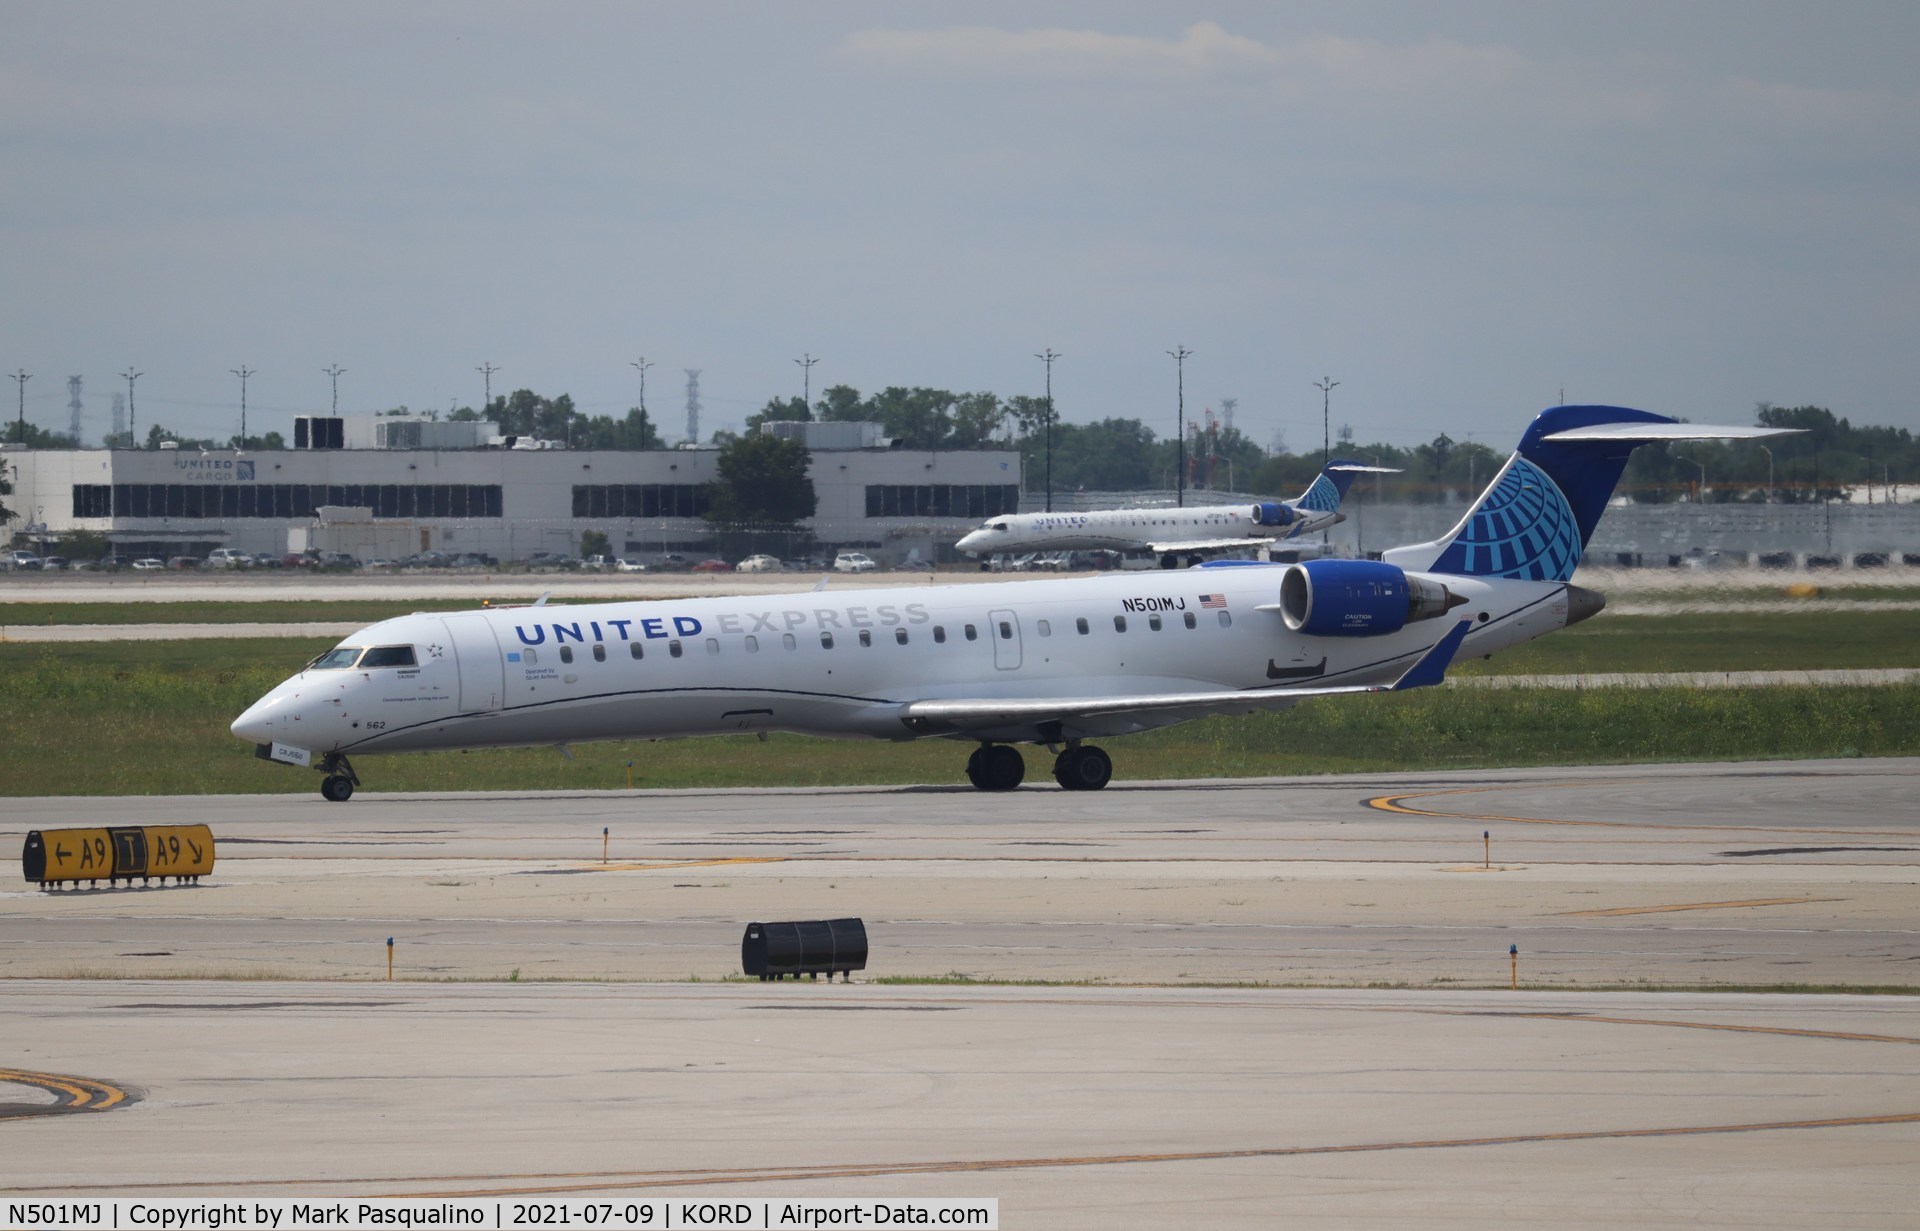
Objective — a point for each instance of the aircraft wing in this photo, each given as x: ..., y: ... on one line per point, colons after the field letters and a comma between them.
x: 1207, y: 544
x: 959, y: 716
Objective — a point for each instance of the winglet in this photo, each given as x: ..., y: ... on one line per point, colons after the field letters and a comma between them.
x: 1432, y: 667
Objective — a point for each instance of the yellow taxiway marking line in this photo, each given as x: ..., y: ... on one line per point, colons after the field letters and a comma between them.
x: 1661, y: 910
x: 1793, y: 1031
x: 858, y: 1170
x: 1393, y: 803
x: 79, y: 1093
x: 675, y: 865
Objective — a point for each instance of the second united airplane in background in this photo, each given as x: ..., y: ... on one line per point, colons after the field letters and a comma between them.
x: 1179, y: 533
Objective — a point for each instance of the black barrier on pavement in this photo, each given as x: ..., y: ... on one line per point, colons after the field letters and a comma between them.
x: 809, y: 947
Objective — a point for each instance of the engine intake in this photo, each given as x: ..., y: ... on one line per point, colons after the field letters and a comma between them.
x: 1358, y: 598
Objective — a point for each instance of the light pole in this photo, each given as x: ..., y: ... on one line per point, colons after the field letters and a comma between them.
x: 133, y: 439
x: 806, y: 362
x: 1180, y: 353
x: 1047, y: 357
x: 334, y: 372
x: 1700, y: 493
x: 243, y: 371
x: 21, y: 378
x: 641, y: 365
x: 1769, y: 453
x: 1326, y: 386
x: 487, y: 370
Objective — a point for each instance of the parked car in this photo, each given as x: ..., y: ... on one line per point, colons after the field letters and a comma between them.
x: 299, y: 559
x: 184, y: 562
x: 265, y: 559
x: 53, y: 564
x: 713, y: 566
x: 338, y: 560
x: 23, y: 560
x: 672, y: 562
x: 113, y: 563
x: 149, y: 562
x: 760, y: 564
x: 228, y: 557
x: 624, y: 565
x: 854, y: 562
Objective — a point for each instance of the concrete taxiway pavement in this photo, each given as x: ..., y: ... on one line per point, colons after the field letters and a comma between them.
x: 557, y: 1024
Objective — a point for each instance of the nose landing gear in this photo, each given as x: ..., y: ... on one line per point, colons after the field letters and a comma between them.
x: 337, y: 786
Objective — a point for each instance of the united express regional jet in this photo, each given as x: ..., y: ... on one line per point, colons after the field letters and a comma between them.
x: 1172, y: 533
x: 996, y: 664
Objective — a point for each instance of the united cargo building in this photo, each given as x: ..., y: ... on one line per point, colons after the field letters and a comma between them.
x: 387, y: 487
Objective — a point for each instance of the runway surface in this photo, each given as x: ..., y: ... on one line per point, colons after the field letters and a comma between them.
x: 240, y: 1036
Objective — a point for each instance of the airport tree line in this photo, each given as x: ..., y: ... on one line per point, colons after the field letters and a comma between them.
x: 1829, y: 459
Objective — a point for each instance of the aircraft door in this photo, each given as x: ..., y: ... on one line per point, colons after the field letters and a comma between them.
x: 483, y: 674
x: 1004, y: 626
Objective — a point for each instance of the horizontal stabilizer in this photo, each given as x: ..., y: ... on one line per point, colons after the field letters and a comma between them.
x: 1356, y: 468
x: 1647, y: 433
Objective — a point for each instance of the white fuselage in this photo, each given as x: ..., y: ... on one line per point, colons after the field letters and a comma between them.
x: 845, y: 662
x: 1131, y: 529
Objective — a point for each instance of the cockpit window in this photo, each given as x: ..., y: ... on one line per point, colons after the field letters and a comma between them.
x: 336, y: 658
x: 996, y: 525
x: 389, y: 656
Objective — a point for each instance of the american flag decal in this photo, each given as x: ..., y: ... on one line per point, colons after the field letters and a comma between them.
x: 1213, y: 600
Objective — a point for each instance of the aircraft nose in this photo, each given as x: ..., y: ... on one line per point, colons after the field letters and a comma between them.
x: 259, y: 723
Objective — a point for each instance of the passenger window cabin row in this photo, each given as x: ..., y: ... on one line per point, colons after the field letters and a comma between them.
x: 751, y: 643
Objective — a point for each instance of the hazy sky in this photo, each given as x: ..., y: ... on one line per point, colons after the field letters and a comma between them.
x: 1455, y: 210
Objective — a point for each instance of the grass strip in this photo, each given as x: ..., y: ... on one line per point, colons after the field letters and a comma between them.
x: 151, y: 718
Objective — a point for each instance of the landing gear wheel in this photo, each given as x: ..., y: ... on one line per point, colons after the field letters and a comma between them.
x: 1085, y: 768
x: 996, y: 767
x: 336, y: 788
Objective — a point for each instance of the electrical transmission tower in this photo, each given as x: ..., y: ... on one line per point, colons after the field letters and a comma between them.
x: 693, y: 405
x: 73, y: 410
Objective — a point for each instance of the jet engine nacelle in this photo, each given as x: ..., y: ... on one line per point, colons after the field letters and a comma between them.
x: 1358, y: 598
x: 1272, y: 513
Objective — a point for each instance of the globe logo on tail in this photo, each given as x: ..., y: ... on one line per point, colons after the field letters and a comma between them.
x: 1524, y: 528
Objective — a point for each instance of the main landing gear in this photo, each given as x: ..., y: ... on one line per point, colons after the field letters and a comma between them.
x: 1000, y: 767
x: 337, y: 786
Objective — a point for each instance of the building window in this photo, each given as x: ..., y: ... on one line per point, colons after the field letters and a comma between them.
x: 970, y: 500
